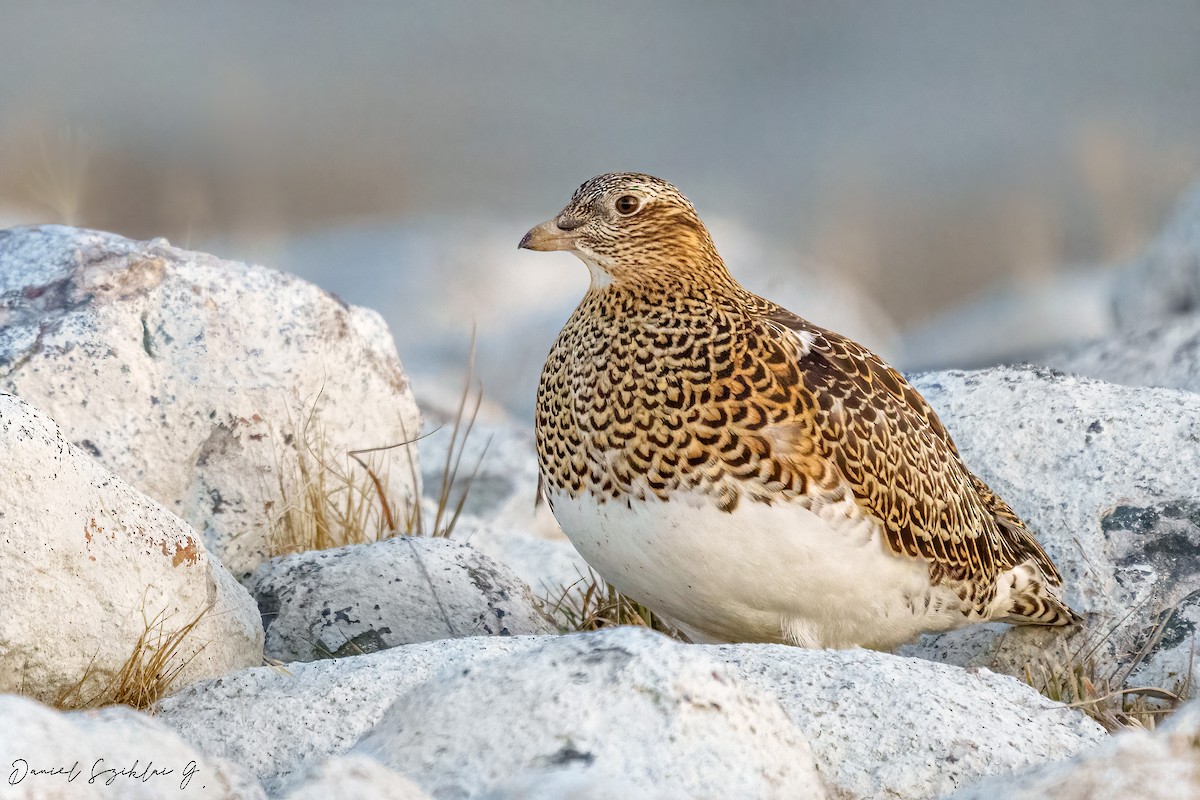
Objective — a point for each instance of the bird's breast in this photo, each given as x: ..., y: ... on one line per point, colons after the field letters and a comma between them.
x: 637, y: 410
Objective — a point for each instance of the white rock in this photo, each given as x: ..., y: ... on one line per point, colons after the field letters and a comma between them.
x: 623, y: 704
x: 876, y: 723
x: 578, y: 783
x: 1165, y: 282
x: 1163, y: 765
x: 1108, y: 478
x: 112, y: 753
x: 547, y: 565
x: 355, y: 777
x: 87, y: 563
x: 186, y: 375
x: 279, y: 721
x: 885, y: 726
x: 402, y: 590
x: 1165, y: 354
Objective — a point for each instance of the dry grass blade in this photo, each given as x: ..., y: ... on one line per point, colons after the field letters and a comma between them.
x: 464, y: 423
x: 590, y: 604
x: 145, y: 677
x: 327, y: 499
x: 1076, y: 680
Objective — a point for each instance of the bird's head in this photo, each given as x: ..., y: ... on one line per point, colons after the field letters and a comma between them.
x: 632, y: 229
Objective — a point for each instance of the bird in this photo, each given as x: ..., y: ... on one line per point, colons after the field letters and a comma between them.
x: 750, y: 476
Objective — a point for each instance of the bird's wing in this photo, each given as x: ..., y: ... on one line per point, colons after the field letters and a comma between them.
x: 899, y: 461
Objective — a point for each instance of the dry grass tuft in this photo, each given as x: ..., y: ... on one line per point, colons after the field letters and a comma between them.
x: 1077, y: 680
x: 146, y: 676
x: 590, y: 604
x: 329, y: 499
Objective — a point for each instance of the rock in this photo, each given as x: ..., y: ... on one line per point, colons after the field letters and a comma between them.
x: 112, y: 753
x: 879, y: 725
x: 355, y: 777
x: 199, y: 381
x: 885, y: 726
x: 287, y: 720
x: 1108, y: 478
x: 547, y: 565
x: 1159, y: 765
x: 577, y: 783
x: 1165, y: 354
x: 89, y: 565
x: 369, y: 597
x: 1165, y: 282
x: 622, y: 705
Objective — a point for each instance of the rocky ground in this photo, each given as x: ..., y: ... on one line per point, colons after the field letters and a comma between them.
x: 175, y: 439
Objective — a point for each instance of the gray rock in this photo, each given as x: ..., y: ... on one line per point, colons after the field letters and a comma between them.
x: 878, y: 725
x: 196, y: 379
x: 1165, y: 354
x: 1159, y: 765
x: 1108, y: 478
x: 886, y: 726
x: 369, y: 597
x: 1165, y: 282
x: 95, y: 746
x: 278, y: 722
x: 90, y: 567
x: 624, y: 706
x: 546, y: 564
x: 355, y: 777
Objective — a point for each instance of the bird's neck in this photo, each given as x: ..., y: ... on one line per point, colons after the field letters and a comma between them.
x: 662, y: 282
x: 651, y: 292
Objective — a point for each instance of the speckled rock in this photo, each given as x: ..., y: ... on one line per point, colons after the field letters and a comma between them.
x: 878, y: 725
x: 1108, y: 477
x: 112, y: 754
x: 284, y: 721
x: 547, y: 565
x: 890, y: 727
x: 355, y: 777
x: 1159, y: 765
x: 623, y: 704
x: 88, y: 564
x: 199, y: 381
x: 369, y: 597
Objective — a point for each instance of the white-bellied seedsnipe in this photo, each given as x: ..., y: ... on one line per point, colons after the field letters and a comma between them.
x: 747, y: 474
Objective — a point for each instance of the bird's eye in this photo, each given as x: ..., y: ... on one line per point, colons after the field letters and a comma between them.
x: 627, y: 204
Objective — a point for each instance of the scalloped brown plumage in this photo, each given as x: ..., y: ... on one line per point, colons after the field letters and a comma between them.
x: 699, y: 443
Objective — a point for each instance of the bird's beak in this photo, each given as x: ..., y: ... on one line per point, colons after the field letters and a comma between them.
x: 548, y: 236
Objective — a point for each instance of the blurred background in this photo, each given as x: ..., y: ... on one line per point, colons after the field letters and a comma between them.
x: 952, y: 183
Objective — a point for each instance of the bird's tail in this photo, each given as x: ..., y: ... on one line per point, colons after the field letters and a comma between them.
x: 1032, y: 600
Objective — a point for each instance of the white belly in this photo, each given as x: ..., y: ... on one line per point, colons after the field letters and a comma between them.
x: 777, y: 573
